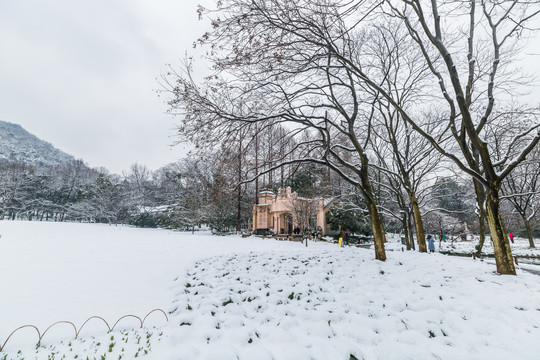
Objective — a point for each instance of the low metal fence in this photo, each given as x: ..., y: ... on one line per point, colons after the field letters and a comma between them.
x: 78, y: 331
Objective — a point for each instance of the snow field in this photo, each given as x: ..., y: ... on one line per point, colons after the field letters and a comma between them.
x: 71, y: 271
x: 333, y: 303
x: 234, y: 298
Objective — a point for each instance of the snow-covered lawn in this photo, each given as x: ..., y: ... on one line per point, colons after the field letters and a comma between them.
x: 234, y: 298
x: 64, y: 271
x: 520, y: 247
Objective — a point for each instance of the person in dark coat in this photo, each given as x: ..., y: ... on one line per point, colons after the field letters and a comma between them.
x: 346, y: 238
x: 431, y: 243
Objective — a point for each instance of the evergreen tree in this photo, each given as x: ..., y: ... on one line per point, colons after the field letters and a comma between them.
x: 348, y: 218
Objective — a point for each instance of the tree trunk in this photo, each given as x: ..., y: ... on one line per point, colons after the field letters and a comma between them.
x: 406, y: 231
x: 239, y: 195
x: 256, y: 166
x: 411, y: 230
x: 480, y: 199
x: 501, y: 244
x: 378, y: 232
x: 482, y: 229
x: 420, y: 236
x: 376, y: 223
x: 529, y: 232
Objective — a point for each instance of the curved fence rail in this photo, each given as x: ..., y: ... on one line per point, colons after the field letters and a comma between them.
x: 78, y: 331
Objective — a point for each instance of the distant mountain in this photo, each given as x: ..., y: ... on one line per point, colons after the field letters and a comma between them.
x: 18, y: 144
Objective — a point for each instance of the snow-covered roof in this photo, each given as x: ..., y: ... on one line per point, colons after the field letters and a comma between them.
x: 328, y: 201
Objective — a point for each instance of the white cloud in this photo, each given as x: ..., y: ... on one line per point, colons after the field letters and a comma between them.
x: 81, y: 75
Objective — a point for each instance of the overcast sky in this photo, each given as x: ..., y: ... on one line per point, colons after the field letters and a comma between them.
x: 82, y: 74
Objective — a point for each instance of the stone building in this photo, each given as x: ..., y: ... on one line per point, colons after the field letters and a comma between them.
x: 286, y: 211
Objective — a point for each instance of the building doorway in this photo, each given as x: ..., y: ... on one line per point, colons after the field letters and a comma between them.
x: 288, y: 223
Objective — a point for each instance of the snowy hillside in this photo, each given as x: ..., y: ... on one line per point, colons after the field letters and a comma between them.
x: 18, y: 144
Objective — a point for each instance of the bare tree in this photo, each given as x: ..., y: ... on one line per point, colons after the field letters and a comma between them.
x: 411, y: 163
x: 139, y: 178
x: 522, y: 189
x: 304, y: 215
x: 484, y: 56
x: 15, y: 181
x: 306, y: 59
x: 280, y: 52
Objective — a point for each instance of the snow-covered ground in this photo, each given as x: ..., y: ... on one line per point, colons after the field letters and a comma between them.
x: 235, y: 298
x: 64, y: 271
x: 520, y: 247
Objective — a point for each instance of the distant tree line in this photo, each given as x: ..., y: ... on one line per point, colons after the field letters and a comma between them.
x: 203, y: 190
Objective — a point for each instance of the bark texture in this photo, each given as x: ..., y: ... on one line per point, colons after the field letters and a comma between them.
x: 480, y: 200
x: 529, y: 232
x: 378, y: 232
x: 501, y: 243
x: 420, y: 236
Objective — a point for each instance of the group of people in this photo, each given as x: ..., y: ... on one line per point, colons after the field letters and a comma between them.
x: 345, y: 236
x: 311, y: 232
x: 431, y: 241
x: 442, y: 237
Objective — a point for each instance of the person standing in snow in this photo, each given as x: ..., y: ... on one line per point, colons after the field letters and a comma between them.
x: 346, y: 238
x: 511, y: 236
x: 431, y: 242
